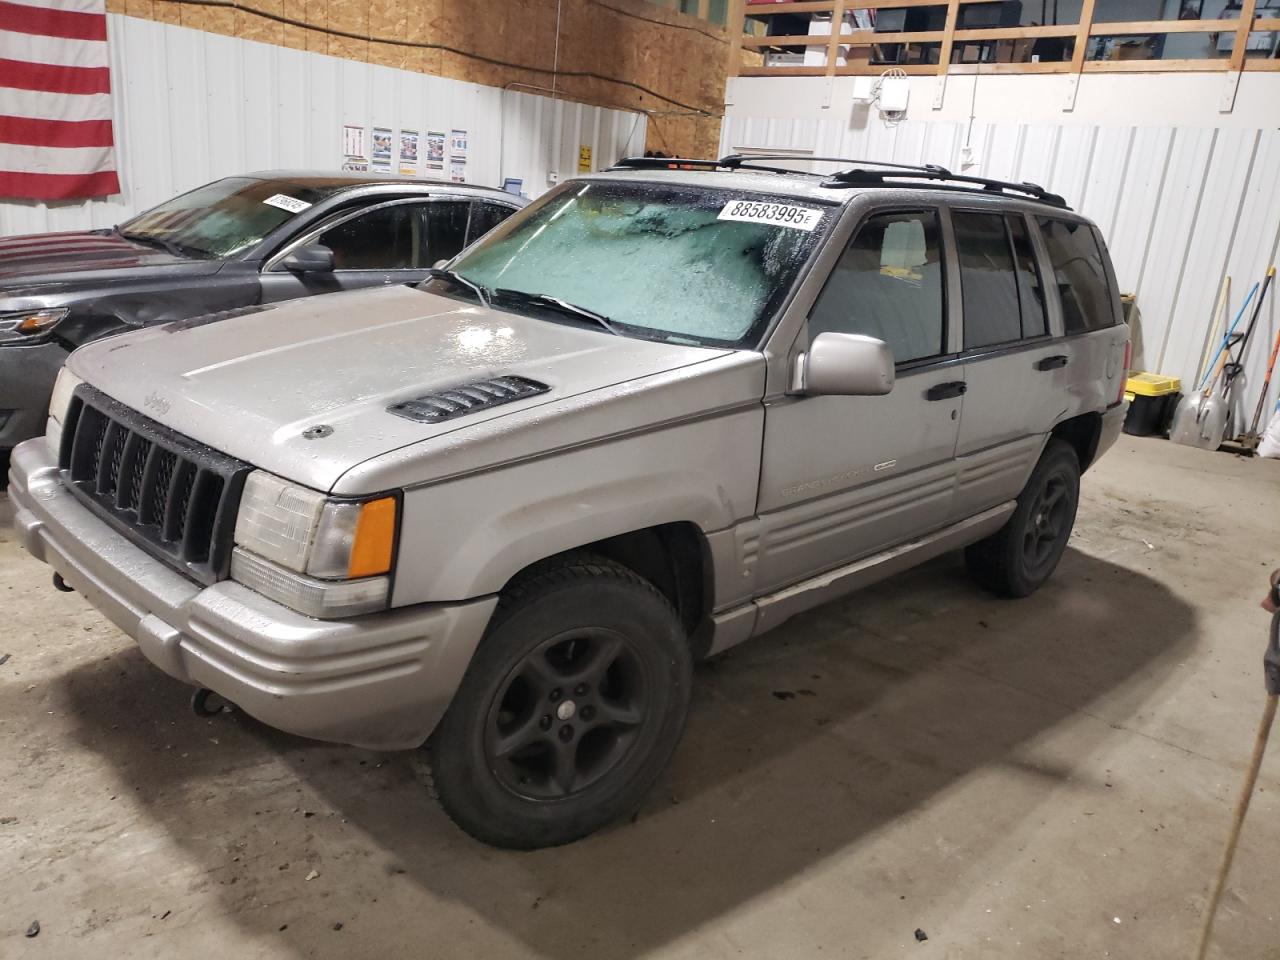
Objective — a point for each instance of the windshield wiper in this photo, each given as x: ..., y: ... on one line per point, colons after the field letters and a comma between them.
x: 167, y: 246
x: 481, y: 292
x: 563, y: 306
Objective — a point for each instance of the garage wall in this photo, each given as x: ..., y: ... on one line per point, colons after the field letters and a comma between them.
x: 1181, y: 206
x: 193, y: 106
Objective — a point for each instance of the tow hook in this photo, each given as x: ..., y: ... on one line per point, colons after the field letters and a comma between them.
x: 207, y: 703
x: 61, y: 585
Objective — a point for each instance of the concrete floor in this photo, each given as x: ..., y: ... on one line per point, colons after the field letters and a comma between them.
x: 1042, y: 778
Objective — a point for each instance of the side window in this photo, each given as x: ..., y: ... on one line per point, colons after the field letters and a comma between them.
x: 446, y: 229
x: 1035, y: 322
x: 386, y: 239
x: 484, y: 217
x: 1079, y: 274
x: 989, y: 287
x: 888, y: 284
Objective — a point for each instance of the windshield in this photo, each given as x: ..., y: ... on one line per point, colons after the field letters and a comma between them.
x: 675, y: 263
x: 220, y: 219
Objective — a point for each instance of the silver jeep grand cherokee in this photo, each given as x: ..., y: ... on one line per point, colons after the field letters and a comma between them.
x: 653, y: 415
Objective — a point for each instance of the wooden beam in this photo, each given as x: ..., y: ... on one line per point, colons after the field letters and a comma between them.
x: 1016, y: 33
x: 944, y: 53
x: 1262, y: 63
x: 1043, y: 66
x: 764, y: 71
x: 787, y: 40
x: 1082, y: 36
x: 777, y: 9
x: 859, y: 38
x: 1247, y: 9
x: 876, y: 69
x: 1156, y: 66
x: 833, y: 44
x: 1163, y: 26
x: 735, y: 23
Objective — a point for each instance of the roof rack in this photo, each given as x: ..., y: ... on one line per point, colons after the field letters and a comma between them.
x: 683, y: 163
x: 860, y: 177
x: 866, y: 173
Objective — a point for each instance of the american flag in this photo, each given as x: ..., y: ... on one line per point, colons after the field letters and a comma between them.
x: 55, y: 100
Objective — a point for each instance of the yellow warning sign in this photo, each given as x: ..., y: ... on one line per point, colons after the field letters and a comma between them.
x: 584, y: 159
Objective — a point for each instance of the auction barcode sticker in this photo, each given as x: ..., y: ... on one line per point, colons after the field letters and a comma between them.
x: 778, y: 214
x: 292, y: 204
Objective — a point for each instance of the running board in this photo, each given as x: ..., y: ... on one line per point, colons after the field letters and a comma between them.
x: 741, y: 623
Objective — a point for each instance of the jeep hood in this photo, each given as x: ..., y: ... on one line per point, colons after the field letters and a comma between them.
x: 253, y: 385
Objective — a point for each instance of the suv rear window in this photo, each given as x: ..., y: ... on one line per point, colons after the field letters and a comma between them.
x: 1080, y: 275
x: 1000, y: 285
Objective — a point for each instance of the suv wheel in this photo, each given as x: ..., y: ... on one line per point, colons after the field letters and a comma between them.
x: 571, y: 707
x: 1018, y: 558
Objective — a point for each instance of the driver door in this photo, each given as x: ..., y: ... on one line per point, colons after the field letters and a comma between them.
x: 394, y: 242
x: 845, y: 477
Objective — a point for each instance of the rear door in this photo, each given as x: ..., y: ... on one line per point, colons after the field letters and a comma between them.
x: 843, y: 477
x: 1016, y: 365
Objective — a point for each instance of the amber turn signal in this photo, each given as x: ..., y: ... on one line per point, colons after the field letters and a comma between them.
x: 374, y: 543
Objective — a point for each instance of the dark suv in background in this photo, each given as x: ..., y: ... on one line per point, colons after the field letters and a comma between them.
x: 231, y: 244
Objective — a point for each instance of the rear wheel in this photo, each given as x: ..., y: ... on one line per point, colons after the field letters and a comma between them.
x: 569, y: 710
x: 1017, y: 559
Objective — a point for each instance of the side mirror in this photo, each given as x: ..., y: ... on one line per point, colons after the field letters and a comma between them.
x: 309, y: 258
x: 844, y: 365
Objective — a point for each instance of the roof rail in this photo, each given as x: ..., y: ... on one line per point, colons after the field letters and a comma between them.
x: 683, y: 163
x: 735, y: 160
x: 866, y: 173
x: 860, y: 177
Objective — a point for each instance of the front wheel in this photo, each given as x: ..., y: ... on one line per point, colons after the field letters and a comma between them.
x: 570, y: 709
x: 1017, y: 559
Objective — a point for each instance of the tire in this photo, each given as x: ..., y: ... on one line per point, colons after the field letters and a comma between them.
x: 1017, y: 559
x: 569, y: 710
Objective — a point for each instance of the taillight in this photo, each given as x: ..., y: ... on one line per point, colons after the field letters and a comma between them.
x: 1124, y: 369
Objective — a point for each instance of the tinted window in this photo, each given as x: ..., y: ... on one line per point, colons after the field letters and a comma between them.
x: 1030, y: 290
x: 484, y: 217
x: 987, y: 281
x: 446, y: 229
x: 888, y: 284
x: 387, y: 239
x: 1079, y: 274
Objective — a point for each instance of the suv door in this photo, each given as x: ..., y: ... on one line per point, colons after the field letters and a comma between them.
x: 843, y: 477
x: 394, y: 242
x: 1016, y: 368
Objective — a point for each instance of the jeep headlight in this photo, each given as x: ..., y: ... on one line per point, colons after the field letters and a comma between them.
x: 323, y: 557
x: 59, y: 403
x: 21, y: 325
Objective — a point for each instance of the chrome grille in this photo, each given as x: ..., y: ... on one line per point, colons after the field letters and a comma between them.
x: 172, y: 496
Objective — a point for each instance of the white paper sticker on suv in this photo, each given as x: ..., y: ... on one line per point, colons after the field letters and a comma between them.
x: 778, y: 214
x: 291, y: 204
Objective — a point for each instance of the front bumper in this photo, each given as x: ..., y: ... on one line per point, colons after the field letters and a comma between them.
x: 381, y: 681
x: 26, y: 381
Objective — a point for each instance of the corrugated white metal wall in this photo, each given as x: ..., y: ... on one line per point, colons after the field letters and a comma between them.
x: 194, y: 106
x: 1180, y: 206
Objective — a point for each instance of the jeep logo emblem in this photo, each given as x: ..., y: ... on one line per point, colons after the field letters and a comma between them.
x: 156, y: 403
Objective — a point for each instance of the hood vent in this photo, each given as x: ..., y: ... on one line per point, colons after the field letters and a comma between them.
x: 467, y: 399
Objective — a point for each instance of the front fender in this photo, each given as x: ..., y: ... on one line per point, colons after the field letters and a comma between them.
x: 468, y: 537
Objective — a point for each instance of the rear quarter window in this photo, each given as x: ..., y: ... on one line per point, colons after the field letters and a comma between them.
x: 1080, y: 275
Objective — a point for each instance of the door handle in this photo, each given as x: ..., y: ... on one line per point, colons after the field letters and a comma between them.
x: 1051, y: 363
x: 945, y: 391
